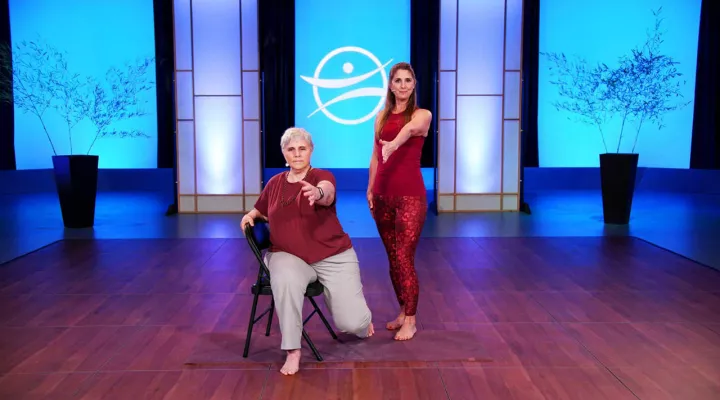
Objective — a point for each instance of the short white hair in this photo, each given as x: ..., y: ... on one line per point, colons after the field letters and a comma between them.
x: 295, y: 133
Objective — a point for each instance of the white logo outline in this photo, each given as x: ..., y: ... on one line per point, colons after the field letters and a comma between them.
x: 317, y: 82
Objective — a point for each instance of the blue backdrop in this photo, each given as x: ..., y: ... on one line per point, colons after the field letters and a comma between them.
x: 84, y: 81
x: 591, y: 82
x: 343, y: 53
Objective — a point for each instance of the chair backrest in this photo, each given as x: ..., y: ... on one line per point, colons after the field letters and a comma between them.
x: 258, y: 238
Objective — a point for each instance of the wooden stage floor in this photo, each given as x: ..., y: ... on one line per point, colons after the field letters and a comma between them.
x: 558, y: 317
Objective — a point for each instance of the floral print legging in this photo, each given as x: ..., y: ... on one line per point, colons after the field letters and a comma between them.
x: 400, y: 220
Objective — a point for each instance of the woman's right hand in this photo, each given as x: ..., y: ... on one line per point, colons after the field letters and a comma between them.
x: 370, y: 199
x: 247, y: 220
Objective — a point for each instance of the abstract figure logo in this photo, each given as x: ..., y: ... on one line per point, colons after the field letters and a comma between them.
x: 348, y: 67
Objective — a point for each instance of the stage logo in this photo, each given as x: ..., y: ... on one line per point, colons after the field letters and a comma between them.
x: 343, y: 57
x: 348, y: 68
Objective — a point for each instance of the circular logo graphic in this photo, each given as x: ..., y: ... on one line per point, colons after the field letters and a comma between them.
x: 348, y: 68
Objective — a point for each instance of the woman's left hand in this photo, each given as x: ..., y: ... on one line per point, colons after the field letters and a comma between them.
x: 387, y: 149
x: 310, y: 191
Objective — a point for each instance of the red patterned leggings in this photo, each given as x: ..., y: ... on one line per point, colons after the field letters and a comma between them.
x: 400, y: 220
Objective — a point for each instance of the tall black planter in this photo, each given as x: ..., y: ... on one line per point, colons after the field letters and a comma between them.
x: 76, y: 179
x: 617, y: 176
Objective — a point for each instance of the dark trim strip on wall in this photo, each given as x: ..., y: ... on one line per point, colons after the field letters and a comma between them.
x: 7, y: 110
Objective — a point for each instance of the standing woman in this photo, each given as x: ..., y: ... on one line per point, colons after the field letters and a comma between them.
x: 396, y: 191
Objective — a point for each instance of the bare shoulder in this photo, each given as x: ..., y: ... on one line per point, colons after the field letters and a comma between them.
x: 378, y: 116
x: 422, y: 113
x: 422, y: 119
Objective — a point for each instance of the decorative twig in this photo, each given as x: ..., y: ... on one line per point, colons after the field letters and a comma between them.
x: 642, y: 87
x: 580, y: 86
x: 121, y: 101
x: 35, y: 77
x: 66, y: 88
x: 26, y: 77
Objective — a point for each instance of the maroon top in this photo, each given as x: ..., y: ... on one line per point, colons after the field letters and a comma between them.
x: 400, y: 175
x: 312, y: 233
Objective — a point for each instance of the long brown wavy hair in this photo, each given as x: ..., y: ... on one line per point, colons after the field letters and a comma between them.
x: 390, y: 98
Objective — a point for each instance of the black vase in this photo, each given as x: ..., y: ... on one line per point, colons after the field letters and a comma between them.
x: 617, y: 177
x: 76, y: 178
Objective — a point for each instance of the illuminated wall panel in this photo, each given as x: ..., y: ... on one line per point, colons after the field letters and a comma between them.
x: 250, y: 201
x: 250, y: 52
x: 479, y: 112
x: 513, y: 35
x: 446, y: 157
x: 447, y: 95
x: 183, y: 36
x: 186, y: 157
x: 511, y: 156
x: 512, y: 95
x: 216, y: 47
x: 446, y: 203
x: 214, y: 204
x: 184, y: 95
x: 475, y: 202
x: 253, y: 163
x: 186, y: 204
x: 510, y: 202
x: 251, y: 109
x: 218, y: 105
x: 218, y: 144
x: 480, y: 46
x: 448, y: 35
x: 479, y: 144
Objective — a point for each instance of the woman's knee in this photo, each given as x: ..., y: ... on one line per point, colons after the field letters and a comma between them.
x: 355, y: 321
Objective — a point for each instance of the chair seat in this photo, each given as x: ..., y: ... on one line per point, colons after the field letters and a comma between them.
x: 313, y: 290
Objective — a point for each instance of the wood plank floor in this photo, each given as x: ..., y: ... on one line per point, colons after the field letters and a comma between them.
x: 561, y: 318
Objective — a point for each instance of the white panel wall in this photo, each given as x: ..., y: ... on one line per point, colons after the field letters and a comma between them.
x: 480, y: 101
x: 217, y: 84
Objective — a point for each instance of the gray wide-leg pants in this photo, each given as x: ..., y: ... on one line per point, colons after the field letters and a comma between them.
x: 340, y: 274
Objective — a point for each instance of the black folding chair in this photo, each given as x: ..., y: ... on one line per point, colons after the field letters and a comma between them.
x: 258, y: 237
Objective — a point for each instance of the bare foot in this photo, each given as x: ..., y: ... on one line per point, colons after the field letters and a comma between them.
x: 292, y: 363
x: 408, y: 329
x: 371, y: 330
x: 397, y: 323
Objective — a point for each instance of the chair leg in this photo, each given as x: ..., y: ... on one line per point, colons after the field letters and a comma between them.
x: 270, y: 317
x: 250, y: 326
x: 312, y: 345
x: 322, y: 317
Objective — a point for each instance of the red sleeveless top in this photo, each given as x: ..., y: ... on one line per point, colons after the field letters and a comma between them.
x: 400, y: 175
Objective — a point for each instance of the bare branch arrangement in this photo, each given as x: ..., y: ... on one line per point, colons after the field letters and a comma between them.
x: 643, y: 87
x: 35, y: 77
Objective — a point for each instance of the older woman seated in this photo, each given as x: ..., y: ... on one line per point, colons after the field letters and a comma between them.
x: 308, y: 244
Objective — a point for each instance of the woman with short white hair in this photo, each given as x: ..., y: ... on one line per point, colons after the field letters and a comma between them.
x: 308, y: 244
